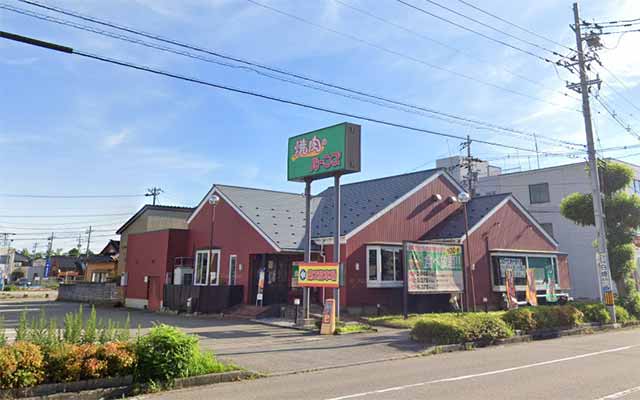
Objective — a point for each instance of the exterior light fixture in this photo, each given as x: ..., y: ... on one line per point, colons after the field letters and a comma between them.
x: 214, y: 200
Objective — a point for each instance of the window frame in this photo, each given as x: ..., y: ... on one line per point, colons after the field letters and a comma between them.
x: 546, y: 185
x: 378, y: 282
x: 232, y: 270
x: 502, y: 288
x: 206, y: 253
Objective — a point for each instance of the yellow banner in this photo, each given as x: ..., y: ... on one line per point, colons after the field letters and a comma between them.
x: 319, y: 275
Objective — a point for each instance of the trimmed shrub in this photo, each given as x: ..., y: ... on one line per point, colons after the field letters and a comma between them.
x: 622, y: 315
x: 594, y: 312
x: 164, y: 354
x: 521, y: 319
x: 120, y: 358
x: 460, y: 328
x: 93, y: 366
x: 632, y: 304
x: 63, y: 363
x: 205, y: 363
x: 8, y: 365
x: 29, y: 369
x: 553, y: 317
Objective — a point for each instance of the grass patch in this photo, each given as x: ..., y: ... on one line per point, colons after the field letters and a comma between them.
x: 353, y: 328
x: 398, y: 321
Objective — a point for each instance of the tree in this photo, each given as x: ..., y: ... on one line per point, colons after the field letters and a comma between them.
x: 25, y: 252
x: 622, y: 214
x: 74, y: 252
x: 57, y: 252
x: 16, y: 274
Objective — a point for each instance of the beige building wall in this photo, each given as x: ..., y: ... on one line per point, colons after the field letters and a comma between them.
x: 150, y: 220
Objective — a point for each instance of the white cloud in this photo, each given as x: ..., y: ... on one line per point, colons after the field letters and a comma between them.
x: 116, y: 139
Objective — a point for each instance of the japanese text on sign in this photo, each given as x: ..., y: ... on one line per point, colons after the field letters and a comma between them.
x: 433, y: 268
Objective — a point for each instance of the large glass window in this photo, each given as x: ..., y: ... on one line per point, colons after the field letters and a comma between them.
x: 202, y: 268
x: 384, y: 266
x: 207, y: 273
x: 539, y: 193
x: 519, y: 264
x: 232, y: 269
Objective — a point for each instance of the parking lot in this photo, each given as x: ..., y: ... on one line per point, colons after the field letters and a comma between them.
x: 248, y: 344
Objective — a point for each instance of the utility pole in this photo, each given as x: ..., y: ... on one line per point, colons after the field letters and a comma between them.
x: 79, y: 243
x: 535, y: 141
x: 154, y: 192
x: 6, y: 242
x: 88, y: 241
x: 35, y: 248
x: 602, y: 257
x: 468, y: 163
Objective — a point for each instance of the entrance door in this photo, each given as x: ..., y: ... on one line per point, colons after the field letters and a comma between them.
x: 154, y: 296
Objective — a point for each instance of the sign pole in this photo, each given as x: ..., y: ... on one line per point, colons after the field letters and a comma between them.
x: 336, y: 239
x: 306, y: 294
x: 405, y: 287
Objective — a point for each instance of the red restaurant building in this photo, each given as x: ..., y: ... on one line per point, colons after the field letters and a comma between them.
x: 249, y: 229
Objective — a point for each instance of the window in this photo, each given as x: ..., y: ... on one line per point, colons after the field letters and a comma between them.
x: 204, y: 274
x: 518, y: 263
x: 233, y: 260
x: 548, y: 227
x: 384, y: 266
x: 636, y: 186
x: 539, y: 193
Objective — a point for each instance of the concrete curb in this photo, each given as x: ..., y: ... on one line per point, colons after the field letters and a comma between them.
x: 112, y: 388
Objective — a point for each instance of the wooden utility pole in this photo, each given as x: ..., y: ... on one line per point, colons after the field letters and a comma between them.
x: 154, y: 192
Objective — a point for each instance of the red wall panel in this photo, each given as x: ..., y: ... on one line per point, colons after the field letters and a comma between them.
x: 233, y: 235
x: 410, y: 220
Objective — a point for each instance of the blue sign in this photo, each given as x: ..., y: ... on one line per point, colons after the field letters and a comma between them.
x: 47, y: 268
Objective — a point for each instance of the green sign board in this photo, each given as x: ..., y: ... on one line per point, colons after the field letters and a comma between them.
x: 433, y: 268
x: 324, y: 152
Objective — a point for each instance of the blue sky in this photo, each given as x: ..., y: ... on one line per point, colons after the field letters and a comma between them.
x: 70, y: 125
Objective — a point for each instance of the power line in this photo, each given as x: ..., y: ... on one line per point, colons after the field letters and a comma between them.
x: 69, y: 50
x: 515, y: 25
x: 447, y: 46
x: 620, y: 81
x: 615, y: 116
x: 412, y: 107
x: 409, y: 57
x: 56, y: 196
x: 65, y: 216
x: 502, y: 42
x: 435, y: 3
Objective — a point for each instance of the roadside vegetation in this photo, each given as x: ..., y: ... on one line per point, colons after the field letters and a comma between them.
x: 91, y: 349
x: 450, y: 328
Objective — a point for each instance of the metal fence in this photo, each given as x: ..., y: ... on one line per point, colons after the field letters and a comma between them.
x: 204, y: 299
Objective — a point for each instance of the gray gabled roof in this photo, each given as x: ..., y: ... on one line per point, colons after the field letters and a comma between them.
x: 280, y: 215
x: 362, y: 200
x: 477, y: 208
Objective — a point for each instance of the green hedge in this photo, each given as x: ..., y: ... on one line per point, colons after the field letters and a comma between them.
x: 460, y: 328
x: 528, y: 319
x: 594, y: 312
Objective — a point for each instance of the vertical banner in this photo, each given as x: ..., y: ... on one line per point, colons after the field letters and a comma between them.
x: 512, y: 300
x: 260, y: 295
x: 551, y: 287
x: 532, y: 297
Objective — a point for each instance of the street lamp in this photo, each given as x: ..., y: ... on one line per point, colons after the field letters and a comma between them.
x: 464, y: 198
x: 213, y: 201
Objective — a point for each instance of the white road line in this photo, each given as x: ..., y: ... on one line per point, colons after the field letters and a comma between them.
x: 488, y: 373
x: 620, y: 395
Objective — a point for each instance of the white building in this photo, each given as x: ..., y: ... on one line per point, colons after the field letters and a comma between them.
x: 456, y: 167
x: 541, y: 191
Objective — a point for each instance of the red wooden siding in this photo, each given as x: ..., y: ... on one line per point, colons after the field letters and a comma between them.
x: 410, y: 220
x: 233, y: 235
x: 508, y: 228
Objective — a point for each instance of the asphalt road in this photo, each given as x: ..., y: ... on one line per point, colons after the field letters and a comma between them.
x: 593, y: 367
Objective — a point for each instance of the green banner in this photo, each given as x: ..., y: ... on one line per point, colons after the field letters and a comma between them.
x: 433, y: 268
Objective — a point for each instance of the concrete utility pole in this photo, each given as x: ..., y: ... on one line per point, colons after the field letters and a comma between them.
x: 88, y: 241
x: 154, y: 192
x: 535, y: 141
x: 604, y: 272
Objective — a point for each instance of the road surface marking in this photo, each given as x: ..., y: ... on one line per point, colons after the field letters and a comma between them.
x: 620, y: 395
x: 488, y: 373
